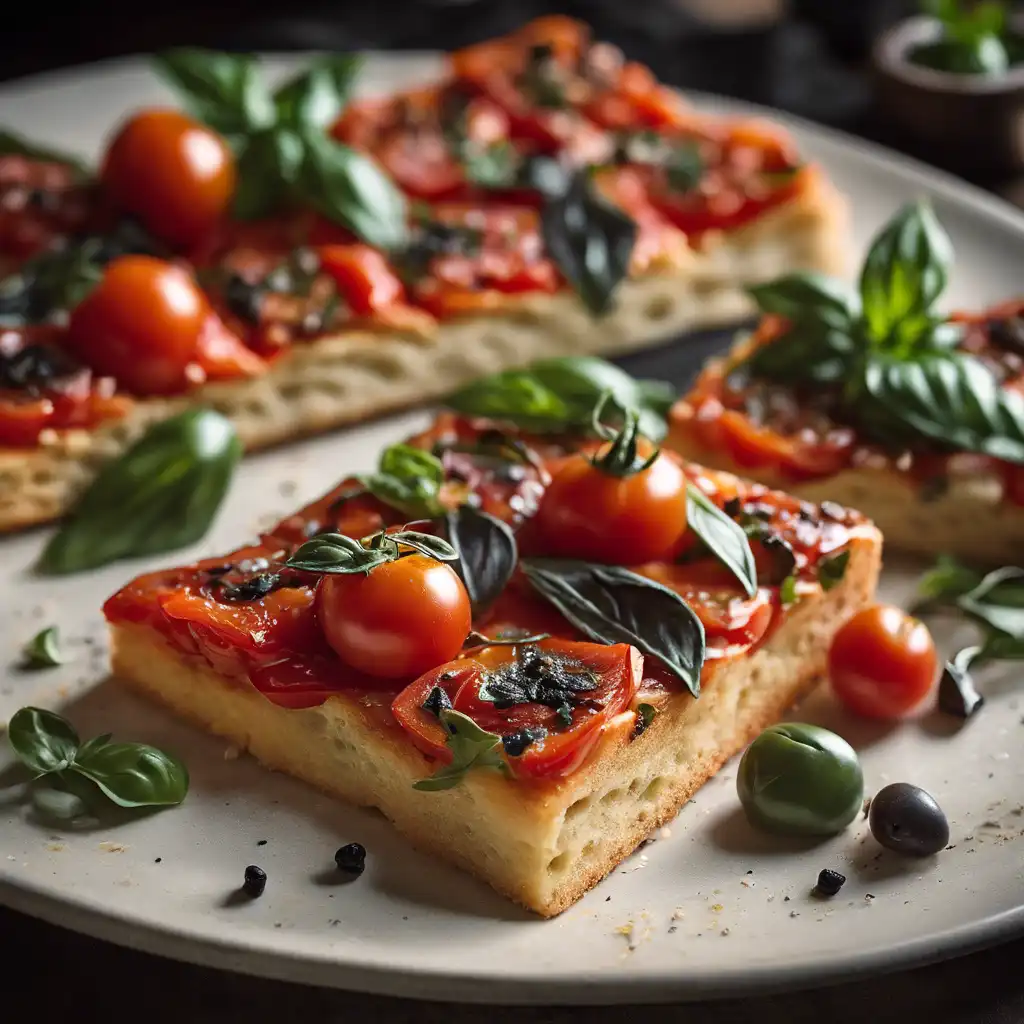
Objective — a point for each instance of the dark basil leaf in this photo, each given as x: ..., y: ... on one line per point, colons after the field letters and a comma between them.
x: 315, y: 97
x: 43, y: 741
x: 471, y: 747
x: 160, y: 495
x: 957, y: 694
x: 409, y: 479
x: 347, y: 187
x: 268, y: 168
x: 810, y: 297
x: 806, y: 353
x: 519, y: 742
x: 224, y: 90
x: 684, y: 167
x: 645, y: 714
x: 253, y: 589
x: 723, y: 537
x: 612, y: 605
x: 425, y: 543
x: 336, y: 553
x: 544, y: 174
x: 590, y: 241
x: 43, y: 650
x: 135, y: 774
x: 15, y: 145
x: 487, y: 554
x: 832, y: 569
x: 951, y: 398
x: 998, y: 602
x: 906, y: 270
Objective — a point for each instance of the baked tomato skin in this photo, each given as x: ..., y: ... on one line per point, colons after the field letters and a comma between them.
x: 592, y: 514
x: 398, y: 620
x: 176, y: 175
x: 883, y: 662
x: 149, y: 325
x: 612, y: 672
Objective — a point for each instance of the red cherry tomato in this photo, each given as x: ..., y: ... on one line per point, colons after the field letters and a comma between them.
x: 882, y: 662
x: 616, y: 672
x: 590, y: 514
x: 175, y: 174
x: 400, y: 619
x: 148, y: 324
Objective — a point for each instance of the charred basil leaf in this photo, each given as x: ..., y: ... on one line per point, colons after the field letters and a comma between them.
x: 470, y: 746
x: 159, y: 496
x: 723, y: 537
x: 832, y: 569
x: 957, y: 693
x: 590, y: 241
x: 255, y: 588
x: 486, y: 551
x: 612, y: 605
x: 43, y: 650
x: 516, y: 745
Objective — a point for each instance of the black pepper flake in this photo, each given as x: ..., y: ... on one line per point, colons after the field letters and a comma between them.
x: 829, y: 882
x: 869, y: 895
x: 261, y: 842
x: 437, y: 701
x: 516, y: 744
x: 351, y: 859
x: 255, y: 881
x: 157, y: 860
x: 785, y: 899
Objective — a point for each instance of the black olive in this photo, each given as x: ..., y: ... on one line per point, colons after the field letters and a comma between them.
x: 829, y: 882
x: 255, y: 881
x: 244, y: 298
x: 905, y: 818
x: 351, y: 858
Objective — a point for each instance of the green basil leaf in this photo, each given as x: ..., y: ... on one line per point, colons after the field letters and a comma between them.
x: 426, y: 544
x: 612, y: 605
x: 471, y: 747
x: 645, y: 714
x: 684, y: 167
x: 336, y: 553
x: 409, y: 479
x: 16, y: 145
x: 832, y: 569
x: 496, y: 166
x: 905, y: 272
x: 951, y: 398
x: 347, y: 187
x: 89, y: 747
x: 224, y: 90
x: 807, y: 353
x: 43, y: 650
x: 43, y: 741
x: 514, y: 396
x: 723, y: 537
x: 787, y: 591
x: 134, y: 774
x: 998, y: 602
x: 590, y: 241
x: 487, y: 554
x: 315, y: 97
x: 946, y: 580
x: 809, y: 297
x: 268, y: 168
x: 162, y: 494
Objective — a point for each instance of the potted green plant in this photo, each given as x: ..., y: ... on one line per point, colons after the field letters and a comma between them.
x: 952, y: 80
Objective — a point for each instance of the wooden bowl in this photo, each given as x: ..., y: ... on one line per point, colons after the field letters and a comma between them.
x: 971, y: 123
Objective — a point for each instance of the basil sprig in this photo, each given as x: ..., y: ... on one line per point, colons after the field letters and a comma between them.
x: 408, y: 479
x: 285, y: 155
x: 334, y: 553
x: 43, y: 650
x: 486, y: 551
x: 723, y: 537
x: 162, y: 494
x: 471, y: 747
x: 890, y: 353
x: 559, y: 395
x: 128, y: 774
x: 612, y: 605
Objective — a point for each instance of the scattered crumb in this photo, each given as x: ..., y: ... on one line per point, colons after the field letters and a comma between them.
x: 232, y: 753
x: 724, y: 931
x: 717, y: 907
x: 55, y: 847
x: 607, y: 899
x: 677, y: 914
x: 261, y: 842
x: 672, y: 929
x: 794, y: 913
x: 665, y: 833
x: 334, y: 922
x: 786, y: 899
x: 750, y: 871
x: 746, y: 884
x: 113, y: 847
x: 277, y: 924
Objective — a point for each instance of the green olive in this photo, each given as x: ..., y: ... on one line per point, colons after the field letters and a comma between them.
x: 800, y: 780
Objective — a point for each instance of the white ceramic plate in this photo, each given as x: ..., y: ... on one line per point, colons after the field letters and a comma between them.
x: 710, y: 908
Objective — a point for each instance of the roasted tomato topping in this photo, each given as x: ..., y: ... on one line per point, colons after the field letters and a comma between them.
x: 548, y: 700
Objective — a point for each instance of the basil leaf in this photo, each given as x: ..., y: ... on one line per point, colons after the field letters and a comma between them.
x: 951, y: 398
x: 496, y: 166
x: 806, y: 353
x: 832, y: 569
x: 409, y: 479
x: 16, y: 145
x: 957, y: 693
x: 947, y: 579
x: 268, y: 168
x: 787, y: 591
x: 810, y: 297
x: 471, y: 747
x: 43, y: 741
x: 723, y: 536
x: 43, y: 650
x: 347, y: 187
x: 906, y: 270
x: 612, y: 605
x: 998, y: 602
x: 590, y: 241
x: 425, y: 543
x: 645, y: 714
x: 159, y: 496
x: 224, y: 90
x: 684, y: 167
x: 134, y: 774
x: 336, y: 553
x: 514, y: 396
x: 89, y: 747
x: 487, y: 554
x: 315, y: 97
